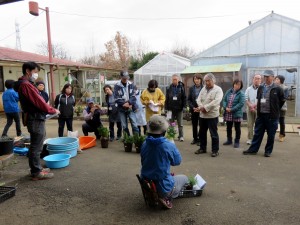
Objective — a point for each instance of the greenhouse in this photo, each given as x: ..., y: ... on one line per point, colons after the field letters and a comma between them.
x: 160, y: 68
x: 270, y: 43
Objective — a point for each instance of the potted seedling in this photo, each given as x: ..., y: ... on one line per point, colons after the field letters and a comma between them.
x: 78, y: 110
x: 104, y: 133
x: 138, y: 141
x: 192, y: 181
x: 128, y: 142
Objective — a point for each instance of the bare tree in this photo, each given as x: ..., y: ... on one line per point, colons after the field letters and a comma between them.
x: 138, y: 49
x: 58, y: 50
x: 183, y: 50
x: 91, y: 58
x: 117, y: 53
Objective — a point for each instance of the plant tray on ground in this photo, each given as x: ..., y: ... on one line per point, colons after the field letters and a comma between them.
x: 6, y: 193
x: 184, y: 193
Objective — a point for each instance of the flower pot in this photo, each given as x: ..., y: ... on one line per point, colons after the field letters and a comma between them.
x: 104, y: 142
x: 138, y: 148
x: 128, y: 147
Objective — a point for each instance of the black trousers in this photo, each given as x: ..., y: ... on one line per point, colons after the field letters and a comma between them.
x: 10, y: 118
x: 196, y: 125
x: 210, y: 124
x: 237, y: 127
x: 61, y: 125
x: 112, y: 130
x: 36, y: 128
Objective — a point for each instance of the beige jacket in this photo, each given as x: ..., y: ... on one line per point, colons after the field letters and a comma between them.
x: 210, y: 100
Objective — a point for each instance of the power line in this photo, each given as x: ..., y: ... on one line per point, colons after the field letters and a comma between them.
x: 13, y: 33
x: 157, y: 18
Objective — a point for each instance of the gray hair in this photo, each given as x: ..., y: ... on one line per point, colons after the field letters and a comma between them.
x: 176, y: 75
x: 210, y: 76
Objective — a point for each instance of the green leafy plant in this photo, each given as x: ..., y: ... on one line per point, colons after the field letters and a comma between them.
x: 138, y: 139
x: 171, y: 131
x: 192, y: 181
x: 103, y: 131
x: 127, y: 139
x: 78, y: 109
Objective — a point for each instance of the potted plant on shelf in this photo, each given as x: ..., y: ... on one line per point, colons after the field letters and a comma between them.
x: 171, y: 132
x: 104, y: 132
x: 78, y: 110
x: 138, y: 141
x: 128, y: 141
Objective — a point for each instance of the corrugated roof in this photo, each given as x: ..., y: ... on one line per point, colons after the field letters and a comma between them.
x: 213, y: 68
x: 13, y: 55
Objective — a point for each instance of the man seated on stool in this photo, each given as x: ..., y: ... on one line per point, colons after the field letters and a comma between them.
x: 91, y: 115
x: 157, y: 156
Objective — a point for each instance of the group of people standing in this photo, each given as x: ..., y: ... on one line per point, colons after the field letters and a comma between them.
x: 265, y: 103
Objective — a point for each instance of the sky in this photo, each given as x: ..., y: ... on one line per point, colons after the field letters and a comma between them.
x: 83, y: 27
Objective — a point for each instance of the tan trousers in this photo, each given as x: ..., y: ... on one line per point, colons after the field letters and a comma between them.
x: 251, y: 117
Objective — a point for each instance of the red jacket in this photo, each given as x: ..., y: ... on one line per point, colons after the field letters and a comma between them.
x: 31, y: 100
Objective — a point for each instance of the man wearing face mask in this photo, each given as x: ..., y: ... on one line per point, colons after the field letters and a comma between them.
x: 34, y: 110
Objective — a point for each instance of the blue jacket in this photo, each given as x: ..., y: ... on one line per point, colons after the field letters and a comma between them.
x: 10, y: 100
x: 120, y: 95
x: 237, y: 105
x: 157, y: 156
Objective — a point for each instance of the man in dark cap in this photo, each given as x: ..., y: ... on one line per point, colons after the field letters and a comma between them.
x: 124, y: 94
x: 270, y: 99
x: 91, y: 116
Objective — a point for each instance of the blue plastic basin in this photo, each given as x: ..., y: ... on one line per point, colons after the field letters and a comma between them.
x: 62, y: 141
x: 72, y: 152
x: 57, y: 160
x: 20, y: 151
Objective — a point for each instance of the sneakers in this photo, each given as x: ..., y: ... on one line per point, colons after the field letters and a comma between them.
x: 214, y: 154
x: 118, y: 138
x: 249, y: 142
x: 42, y: 176
x: 193, y: 142
x: 46, y: 170
x: 267, y: 154
x: 247, y: 152
x: 200, y: 151
x: 181, y: 139
x: 166, y: 202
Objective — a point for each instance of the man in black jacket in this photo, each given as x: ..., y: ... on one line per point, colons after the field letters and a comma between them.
x: 175, y: 102
x: 195, y: 111
x: 270, y: 99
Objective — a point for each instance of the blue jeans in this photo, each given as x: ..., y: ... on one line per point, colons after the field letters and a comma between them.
x: 264, y: 123
x: 210, y: 124
x: 124, y: 121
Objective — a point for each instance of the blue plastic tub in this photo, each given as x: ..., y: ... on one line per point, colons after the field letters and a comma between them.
x: 72, y: 152
x: 68, y: 147
x: 20, y: 151
x: 62, y: 141
x: 57, y: 161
